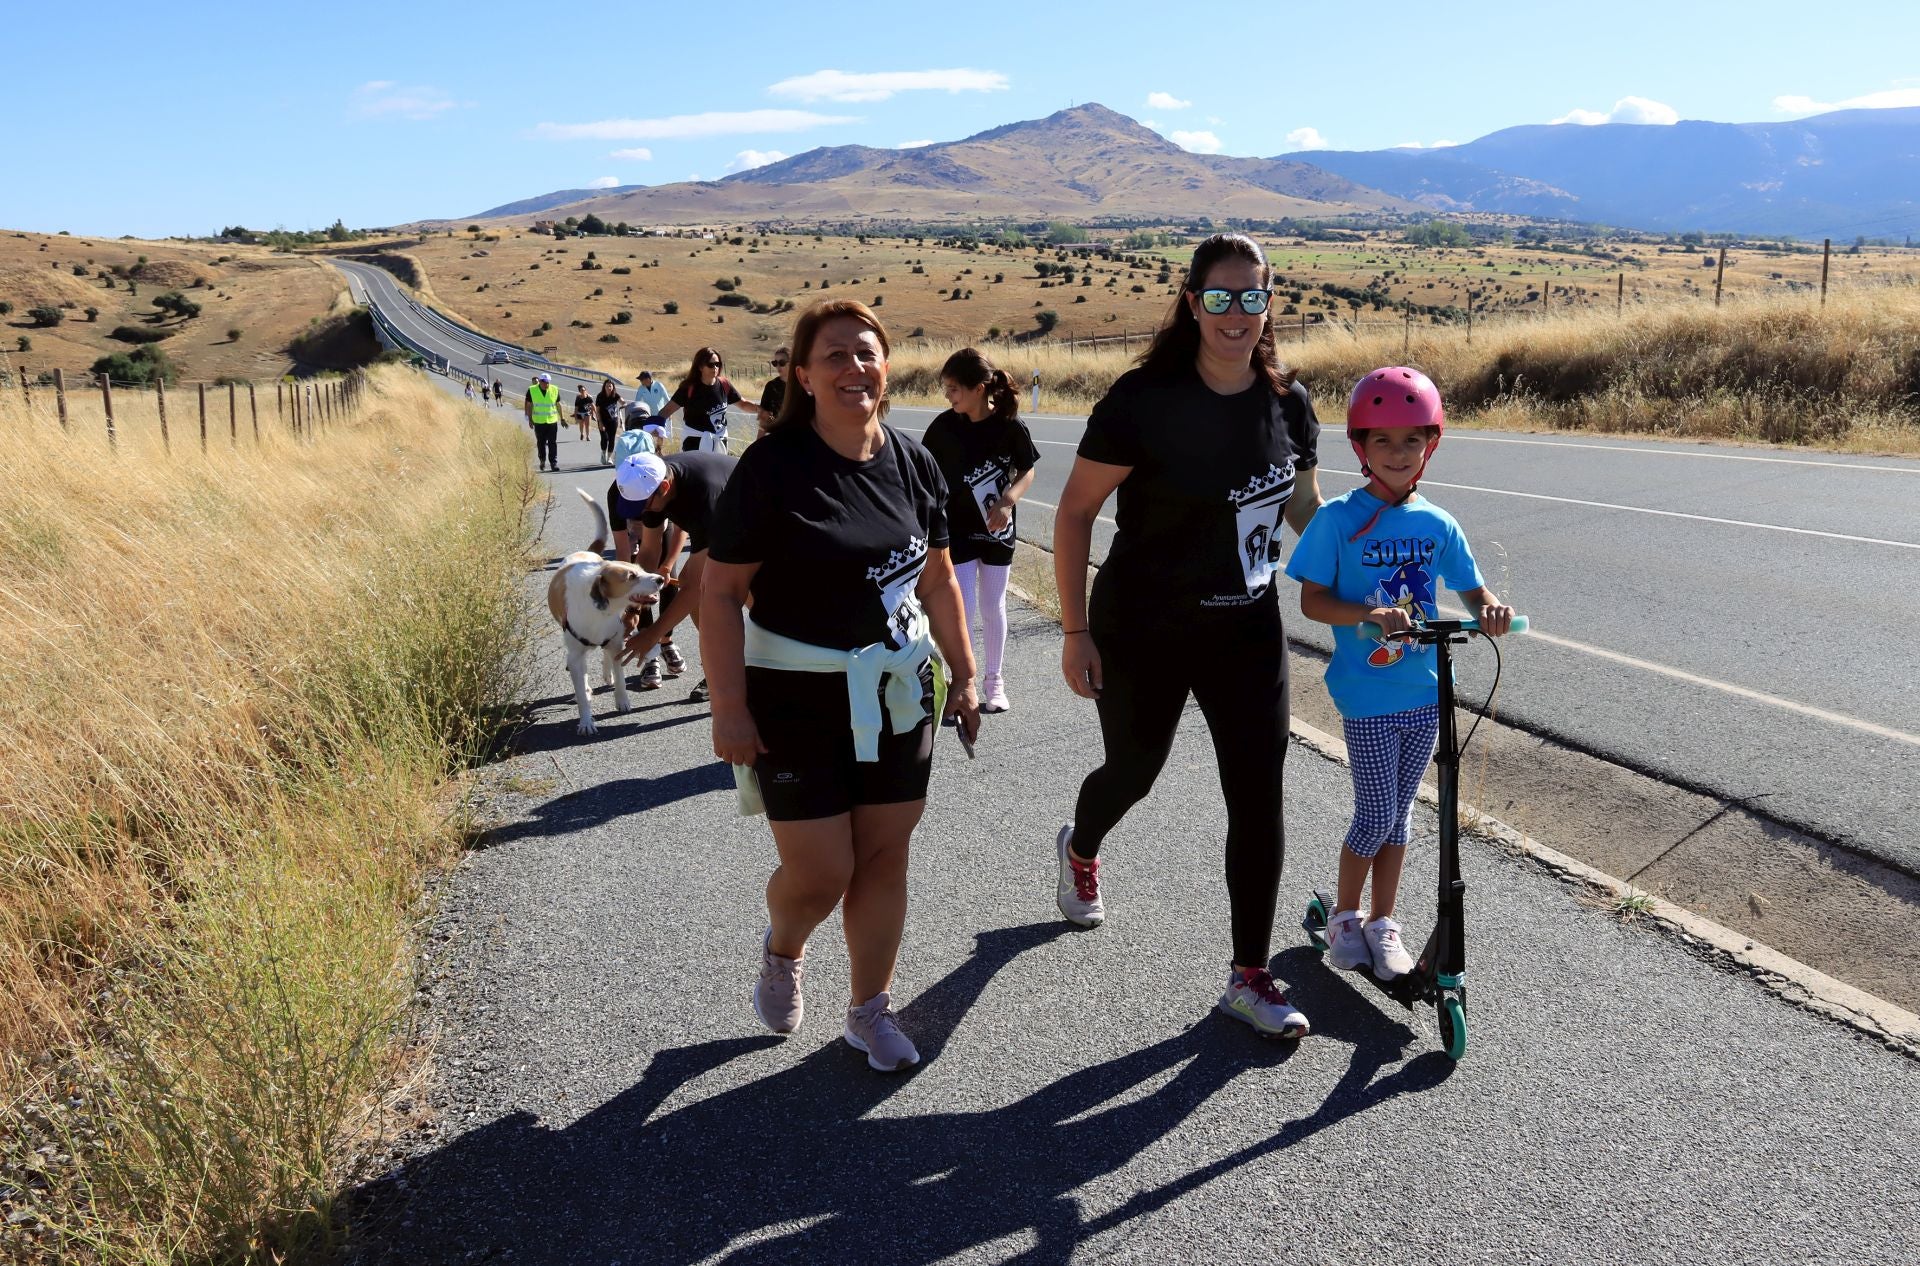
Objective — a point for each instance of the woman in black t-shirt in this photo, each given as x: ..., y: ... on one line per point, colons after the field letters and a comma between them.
x: 774, y: 393
x: 606, y: 408
x: 988, y: 459
x: 1208, y: 443
x: 705, y: 395
x: 834, y: 527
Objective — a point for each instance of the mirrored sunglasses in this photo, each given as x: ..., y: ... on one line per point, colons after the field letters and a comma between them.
x: 1219, y: 301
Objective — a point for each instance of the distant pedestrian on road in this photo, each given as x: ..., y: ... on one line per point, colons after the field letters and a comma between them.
x: 1380, y: 553
x: 828, y: 694
x: 469, y: 391
x: 1185, y: 602
x: 542, y: 407
x: 773, y: 393
x: 606, y: 408
x: 582, y: 409
x: 705, y: 396
x: 499, y: 392
x: 988, y: 458
x: 654, y: 394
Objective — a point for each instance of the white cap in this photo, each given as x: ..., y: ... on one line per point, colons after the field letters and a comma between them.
x: 545, y: 378
x: 640, y: 476
x: 654, y: 429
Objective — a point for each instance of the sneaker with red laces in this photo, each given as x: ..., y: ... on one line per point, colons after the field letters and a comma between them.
x: 1078, y: 890
x: 871, y: 1028
x: 776, y: 995
x: 1254, y: 998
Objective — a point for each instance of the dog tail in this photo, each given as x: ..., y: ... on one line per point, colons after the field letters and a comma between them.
x: 602, y: 532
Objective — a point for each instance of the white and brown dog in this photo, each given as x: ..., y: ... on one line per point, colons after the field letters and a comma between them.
x: 589, y: 597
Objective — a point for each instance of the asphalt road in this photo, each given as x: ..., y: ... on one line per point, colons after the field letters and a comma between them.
x: 1728, y: 619
x: 1723, y: 618
x: 604, y: 1093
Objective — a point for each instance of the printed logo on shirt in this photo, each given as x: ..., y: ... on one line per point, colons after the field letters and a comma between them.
x: 896, y: 579
x: 1257, y: 517
x: 1410, y: 588
x: 988, y: 481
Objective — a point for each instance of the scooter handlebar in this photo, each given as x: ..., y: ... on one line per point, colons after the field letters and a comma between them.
x: 1373, y: 632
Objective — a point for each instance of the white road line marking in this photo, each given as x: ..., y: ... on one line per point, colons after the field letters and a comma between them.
x: 1668, y: 514
x: 1743, y: 692
x: 1035, y: 501
x: 1681, y: 452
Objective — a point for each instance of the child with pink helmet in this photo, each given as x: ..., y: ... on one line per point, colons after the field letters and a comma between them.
x: 1380, y: 554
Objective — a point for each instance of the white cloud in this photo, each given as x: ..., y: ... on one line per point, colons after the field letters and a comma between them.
x: 1198, y: 142
x: 383, y: 98
x: 1165, y: 101
x: 1424, y: 145
x: 750, y: 158
x: 841, y: 85
x: 1213, y: 120
x: 1892, y: 98
x: 914, y: 144
x: 638, y: 154
x: 1307, y: 138
x: 684, y: 126
x: 1153, y: 124
x: 1625, y: 110
x: 604, y: 182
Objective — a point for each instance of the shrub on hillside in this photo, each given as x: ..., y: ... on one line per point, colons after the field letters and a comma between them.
x: 670, y: 307
x: 6, y: 309
x: 177, y: 304
x: 141, y: 368
x: 93, y: 314
x: 45, y: 315
x: 1046, y: 320
x: 621, y: 318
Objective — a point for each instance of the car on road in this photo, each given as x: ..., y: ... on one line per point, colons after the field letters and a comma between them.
x: 494, y: 358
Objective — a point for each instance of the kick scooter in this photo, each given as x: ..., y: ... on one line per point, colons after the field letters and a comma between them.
x: 1439, y: 977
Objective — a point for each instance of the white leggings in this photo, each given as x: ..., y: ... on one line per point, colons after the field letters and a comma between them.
x: 991, y: 603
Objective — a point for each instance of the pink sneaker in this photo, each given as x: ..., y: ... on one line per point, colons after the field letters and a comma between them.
x: 872, y: 1028
x: 776, y: 995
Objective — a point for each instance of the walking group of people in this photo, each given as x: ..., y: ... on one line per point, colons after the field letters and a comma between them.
x: 838, y: 565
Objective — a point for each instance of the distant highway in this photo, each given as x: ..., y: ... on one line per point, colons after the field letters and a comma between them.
x: 1736, y: 620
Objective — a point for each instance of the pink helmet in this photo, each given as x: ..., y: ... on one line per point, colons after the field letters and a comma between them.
x: 1394, y: 398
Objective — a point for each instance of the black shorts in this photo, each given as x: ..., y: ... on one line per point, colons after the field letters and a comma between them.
x: 808, y: 770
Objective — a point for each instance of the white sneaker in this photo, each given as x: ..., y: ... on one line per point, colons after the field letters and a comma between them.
x: 1347, y: 948
x: 1258, y: 1000
x: 1079, y: 885
x: 1390, y: 957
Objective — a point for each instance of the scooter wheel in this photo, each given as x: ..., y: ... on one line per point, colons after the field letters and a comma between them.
x: 1316, y: 924
x: 1453, y: 1028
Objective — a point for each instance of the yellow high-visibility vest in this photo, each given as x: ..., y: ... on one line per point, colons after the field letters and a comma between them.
x: 546, y: 404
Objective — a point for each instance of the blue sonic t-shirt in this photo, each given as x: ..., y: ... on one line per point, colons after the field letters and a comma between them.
x: 1400, y: 561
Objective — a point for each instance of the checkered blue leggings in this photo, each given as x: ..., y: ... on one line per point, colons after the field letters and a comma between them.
x: 1387, y: 755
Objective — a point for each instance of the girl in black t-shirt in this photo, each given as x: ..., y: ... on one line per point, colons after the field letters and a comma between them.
x: 705, y: 395
x: 988, y: 459
x: 1192, y: 565
x: 582, y: 409
x: 834, y: 526
x: 774, y: 393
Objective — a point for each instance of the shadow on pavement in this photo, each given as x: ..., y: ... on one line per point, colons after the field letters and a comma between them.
x: 603, y: 802
x: 802, y: 1165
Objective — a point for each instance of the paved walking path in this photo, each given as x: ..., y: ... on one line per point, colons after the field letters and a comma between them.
x: 605, y: 1094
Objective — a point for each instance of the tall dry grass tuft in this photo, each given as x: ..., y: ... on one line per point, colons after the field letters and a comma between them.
x: 237, y: 687
x: 1778, y: 369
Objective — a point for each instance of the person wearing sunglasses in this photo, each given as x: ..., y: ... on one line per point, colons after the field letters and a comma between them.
x: 1209, y: 443
x: 705, y: 395
x: 774, y: 393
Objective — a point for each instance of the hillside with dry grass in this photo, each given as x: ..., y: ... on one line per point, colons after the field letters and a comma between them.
x: 101, y: 285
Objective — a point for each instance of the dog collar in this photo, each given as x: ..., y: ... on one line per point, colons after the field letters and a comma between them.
x: 568, y: 626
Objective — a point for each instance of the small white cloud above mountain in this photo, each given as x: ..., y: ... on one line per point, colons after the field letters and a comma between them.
x: 384, y: 98
x: 1625, y: 110
x: 638, y: 154
x: 1307, y: 138
x: 1426, y: 145
x: 841, y: 85
x: 1197, y: 142
x: 1165, y: 101
x: 915, y: 144
x: 1891, y: 99
x: 684, y: 126
x: 747, y: 159
x: 604, y: 182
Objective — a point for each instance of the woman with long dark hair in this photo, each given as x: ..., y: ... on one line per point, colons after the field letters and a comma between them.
x: 988, y: 459
x: 1209, y: 443
x: 705, y: 394
x: 826, y: 695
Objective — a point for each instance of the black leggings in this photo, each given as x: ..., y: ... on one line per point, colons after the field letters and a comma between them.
x: 1236, y: 669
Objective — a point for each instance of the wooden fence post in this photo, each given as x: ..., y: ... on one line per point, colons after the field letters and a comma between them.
x: 60, y: 394
x: 106, y: 398
x: 233, y: 417
x: 1719, y: 276
x: 26, y: 386
x: 1620, y: 296
x: 203, y: 418
x: 279, y: 401
x: 1303, y: 326
x: 253, y: 410
x: 160, y: 396
x: 1826, y: 260
x: 1406, y: 338
x: 1469, y: 318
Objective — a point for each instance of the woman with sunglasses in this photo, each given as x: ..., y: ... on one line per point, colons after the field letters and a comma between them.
x: 773, y: 393
x: 705, y: 396
x: 1192, y: 564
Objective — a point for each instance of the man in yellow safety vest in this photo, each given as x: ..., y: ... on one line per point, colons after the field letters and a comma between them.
x: 542, y: 407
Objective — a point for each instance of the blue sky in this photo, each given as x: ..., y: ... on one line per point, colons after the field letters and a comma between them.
x: 152, y: 121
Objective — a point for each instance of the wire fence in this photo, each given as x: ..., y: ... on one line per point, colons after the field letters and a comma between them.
x: 52, y: 397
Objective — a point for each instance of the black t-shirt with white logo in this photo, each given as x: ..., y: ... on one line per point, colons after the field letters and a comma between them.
x: 1200, y: 515
x: 704, y: 407
x: 841, y: 544
x: 698, y: 481
x: 980, y: 461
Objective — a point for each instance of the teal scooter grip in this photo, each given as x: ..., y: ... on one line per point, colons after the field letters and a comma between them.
x: 1373, y: 632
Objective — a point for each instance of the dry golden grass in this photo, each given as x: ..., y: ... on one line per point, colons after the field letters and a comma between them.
x: 269, y: 298
x: 239, y: 686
